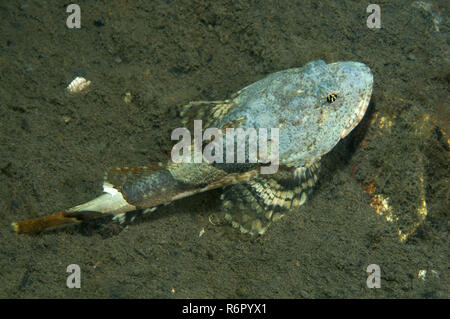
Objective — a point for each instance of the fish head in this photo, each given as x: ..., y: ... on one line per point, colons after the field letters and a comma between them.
x: 350, y: 99
x: 329, y: 101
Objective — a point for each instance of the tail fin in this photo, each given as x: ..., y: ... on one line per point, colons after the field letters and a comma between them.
x: 39, y: 224
x: 109, y: 204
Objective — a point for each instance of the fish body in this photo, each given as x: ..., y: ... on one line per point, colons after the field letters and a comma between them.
x: 312, y: 108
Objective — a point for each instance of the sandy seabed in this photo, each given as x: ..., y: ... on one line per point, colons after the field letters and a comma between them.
x: 383, y: 193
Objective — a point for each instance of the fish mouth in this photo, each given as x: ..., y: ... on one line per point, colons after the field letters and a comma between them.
x: 363, y: 104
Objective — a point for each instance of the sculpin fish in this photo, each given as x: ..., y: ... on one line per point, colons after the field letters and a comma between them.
x: 313, y: 107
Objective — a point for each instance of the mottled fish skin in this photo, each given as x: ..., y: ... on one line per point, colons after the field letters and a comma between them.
x: 313, y: 107
x: 297, y: 102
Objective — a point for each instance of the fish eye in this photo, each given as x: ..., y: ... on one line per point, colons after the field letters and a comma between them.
x: 332, y: 97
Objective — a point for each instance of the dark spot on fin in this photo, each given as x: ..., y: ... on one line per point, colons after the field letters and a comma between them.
x: 251, y: 207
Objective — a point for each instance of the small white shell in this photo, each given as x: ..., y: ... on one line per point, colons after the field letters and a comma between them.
x: 422, y: 274
x: 78, y: 84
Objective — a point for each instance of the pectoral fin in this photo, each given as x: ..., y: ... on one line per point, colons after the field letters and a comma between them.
x: 251, y: 207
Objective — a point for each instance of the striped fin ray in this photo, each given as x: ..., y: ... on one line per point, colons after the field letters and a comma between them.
x: 208, y: 111
x: 253, y: 206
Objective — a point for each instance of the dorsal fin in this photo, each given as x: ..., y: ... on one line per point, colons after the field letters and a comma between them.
x: 209, y: 112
